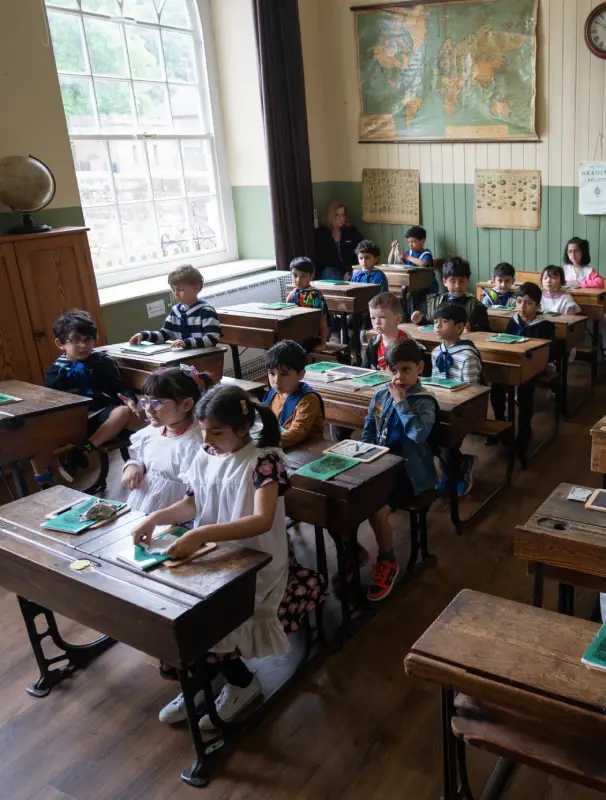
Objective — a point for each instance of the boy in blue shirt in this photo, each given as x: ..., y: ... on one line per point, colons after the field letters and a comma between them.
x: 368, y: 257
x: 502, y: 292
x: 417, y: 255
x: 401, y: 416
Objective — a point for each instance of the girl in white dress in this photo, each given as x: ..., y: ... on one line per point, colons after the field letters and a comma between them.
x: 169, y: 443
x: 235, y: 494
x: 554, y: 297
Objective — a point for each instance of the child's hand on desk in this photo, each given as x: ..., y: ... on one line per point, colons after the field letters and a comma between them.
x: 177, y: 343
x: 290, y: 297
x: 416, y: 317
x: 187, y: 544
x: 144, y: 531
x: 132, y: 476
x: 136, y: 339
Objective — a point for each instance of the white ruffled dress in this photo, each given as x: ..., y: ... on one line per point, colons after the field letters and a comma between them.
x: 163, y: 460
x: 223, y: 488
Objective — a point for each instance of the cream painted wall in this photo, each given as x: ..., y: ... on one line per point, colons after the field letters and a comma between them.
x: 571, y: 106
x: 32, y: 119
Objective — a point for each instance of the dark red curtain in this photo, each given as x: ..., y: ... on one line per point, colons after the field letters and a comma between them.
x: 282, y: 86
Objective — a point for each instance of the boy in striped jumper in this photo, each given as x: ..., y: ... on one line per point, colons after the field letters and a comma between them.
x: 458, y: 360
x: 191, y: 323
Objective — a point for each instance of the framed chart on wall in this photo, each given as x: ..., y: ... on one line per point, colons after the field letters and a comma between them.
x: 457, y: 70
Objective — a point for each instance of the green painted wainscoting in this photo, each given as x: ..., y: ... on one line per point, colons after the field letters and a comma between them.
x: 55, y: 217
x: 447, y: 215
x: 124, y: 319
x: 252, y: 209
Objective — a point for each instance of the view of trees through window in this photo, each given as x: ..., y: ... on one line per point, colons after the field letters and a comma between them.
x: 135, y: 96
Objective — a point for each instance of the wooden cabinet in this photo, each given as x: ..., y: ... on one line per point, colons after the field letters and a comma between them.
x: 42, y: 276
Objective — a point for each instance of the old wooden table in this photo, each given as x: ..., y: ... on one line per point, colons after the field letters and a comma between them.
x: 175, y: 615
x: 528, y: 697
x: 566, y: 542
x: 136, y: 369
x: 346, y: 404
x: 598, y: 449
x: 407, y: 280
x: 43, y: 421
x: 570, y: 330
x: 250, y: 325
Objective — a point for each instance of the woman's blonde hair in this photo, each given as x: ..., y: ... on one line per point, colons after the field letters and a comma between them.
x: 330, y: 211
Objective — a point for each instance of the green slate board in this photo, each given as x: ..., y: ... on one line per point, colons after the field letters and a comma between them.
x: 443, y: 383
x: 69, y: 521
x: 322, y: 366
x: 139, y: 557
x: 508, y: 338
x: 426, y: 329
x: 595, y: 655
x: 276, y: 306
x: 5, y: 399
x: 327, y: 467
x: 376, y: 379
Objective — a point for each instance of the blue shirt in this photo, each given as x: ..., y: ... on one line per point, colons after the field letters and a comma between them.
x: 374, y: 276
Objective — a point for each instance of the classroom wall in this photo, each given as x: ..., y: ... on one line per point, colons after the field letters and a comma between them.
x: 571, y: 113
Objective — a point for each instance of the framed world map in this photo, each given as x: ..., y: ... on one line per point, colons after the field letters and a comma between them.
x: 459, y: 70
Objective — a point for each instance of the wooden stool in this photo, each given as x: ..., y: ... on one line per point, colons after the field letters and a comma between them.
x: 331, y: 351
x: 418, y: 508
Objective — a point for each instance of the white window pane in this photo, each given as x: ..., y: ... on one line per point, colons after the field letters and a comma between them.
x: 165, y: 167
x: 106, y: 48
x: 179, y: 56
x: 63, y: 3
x: 152, y: 106
x: 139, y: 232
x: 78, y: 103
x: 175, y: 13
x: 205, y: 223
x: 101, y: 6
x: 173, y: 226
x: 68, y: 45
x: 185, y: 107
x: 93, y: 171
x: 129, y: 166
x: 115, y: 105
x: 104, y: 237
x: 145, y: 52
x: 198, y: 167
x: 143, y: 10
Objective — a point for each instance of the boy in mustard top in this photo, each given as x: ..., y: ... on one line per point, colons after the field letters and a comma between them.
x: 299, y: 409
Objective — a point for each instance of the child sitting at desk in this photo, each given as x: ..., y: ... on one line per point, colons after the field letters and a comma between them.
x: 305, y: 295
x: 578, y: 271
x: 417, y: 255
x: 299, y: 409
x: 554, y: 298
x: 456, y: 274
x: 401, y: 416
x: 502, y: 292
x: 368, y: 257
x: 385, y: 316
x: 459, y: 360
x: 83, y: 370
x: 524, y: 322
x: 192, y: 322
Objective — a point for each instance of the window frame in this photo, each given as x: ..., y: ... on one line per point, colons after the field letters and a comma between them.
x: 210, y: 100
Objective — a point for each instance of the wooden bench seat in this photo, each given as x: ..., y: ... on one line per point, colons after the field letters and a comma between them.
x: 331, y: 351
x: 492, y: 427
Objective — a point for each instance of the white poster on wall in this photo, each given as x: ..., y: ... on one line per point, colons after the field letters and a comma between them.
x: 592, y: 187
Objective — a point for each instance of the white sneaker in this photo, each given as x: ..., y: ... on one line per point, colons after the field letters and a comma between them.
x: 231, y: 701
x: 174, y: 712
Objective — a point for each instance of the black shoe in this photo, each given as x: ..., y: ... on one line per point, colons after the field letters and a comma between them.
x: 73, y: 461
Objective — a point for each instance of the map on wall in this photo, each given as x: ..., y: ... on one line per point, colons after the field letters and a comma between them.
x: 458, y: 70
x: 508, y: 198
x: 390, y: 196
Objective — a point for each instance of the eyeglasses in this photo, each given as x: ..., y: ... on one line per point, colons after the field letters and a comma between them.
x: 151, y: 402
x: 82, y: 342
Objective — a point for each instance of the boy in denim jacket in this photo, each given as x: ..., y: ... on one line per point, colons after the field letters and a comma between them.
x: 401, y: 416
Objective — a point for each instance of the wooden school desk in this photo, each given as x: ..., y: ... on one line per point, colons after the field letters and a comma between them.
x: 598, y: 449
x: 173, y: 615
x: 340, y: 506
x: 570, y: 330
x: 136, y: 369
x: 407, y: 280
x: 565, y: 542
x: 526, y: 696
x: 249, y: 325
x: 346, y: 404
x: 42, y: 422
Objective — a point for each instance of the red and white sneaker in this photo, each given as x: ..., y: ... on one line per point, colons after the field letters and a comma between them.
x: 384, y: 574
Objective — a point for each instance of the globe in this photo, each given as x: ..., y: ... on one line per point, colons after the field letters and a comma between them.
x: 26, y: 185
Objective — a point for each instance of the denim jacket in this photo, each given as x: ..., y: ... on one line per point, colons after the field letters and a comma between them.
x: 405, y: 427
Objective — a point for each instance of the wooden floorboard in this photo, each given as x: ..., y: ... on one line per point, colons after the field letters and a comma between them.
x: 354, y: 728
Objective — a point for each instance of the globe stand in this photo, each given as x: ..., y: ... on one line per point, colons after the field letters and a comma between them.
x: 29, y: 226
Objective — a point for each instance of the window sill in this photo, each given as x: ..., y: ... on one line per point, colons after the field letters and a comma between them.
x: 111, y: 295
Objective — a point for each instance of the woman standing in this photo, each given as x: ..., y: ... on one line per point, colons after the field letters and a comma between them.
x: 336, y: 242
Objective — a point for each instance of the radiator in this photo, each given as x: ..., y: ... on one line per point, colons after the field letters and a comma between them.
x: 263, y: 287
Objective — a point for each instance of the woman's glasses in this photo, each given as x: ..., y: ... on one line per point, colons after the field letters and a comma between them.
x: 151, y: 402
